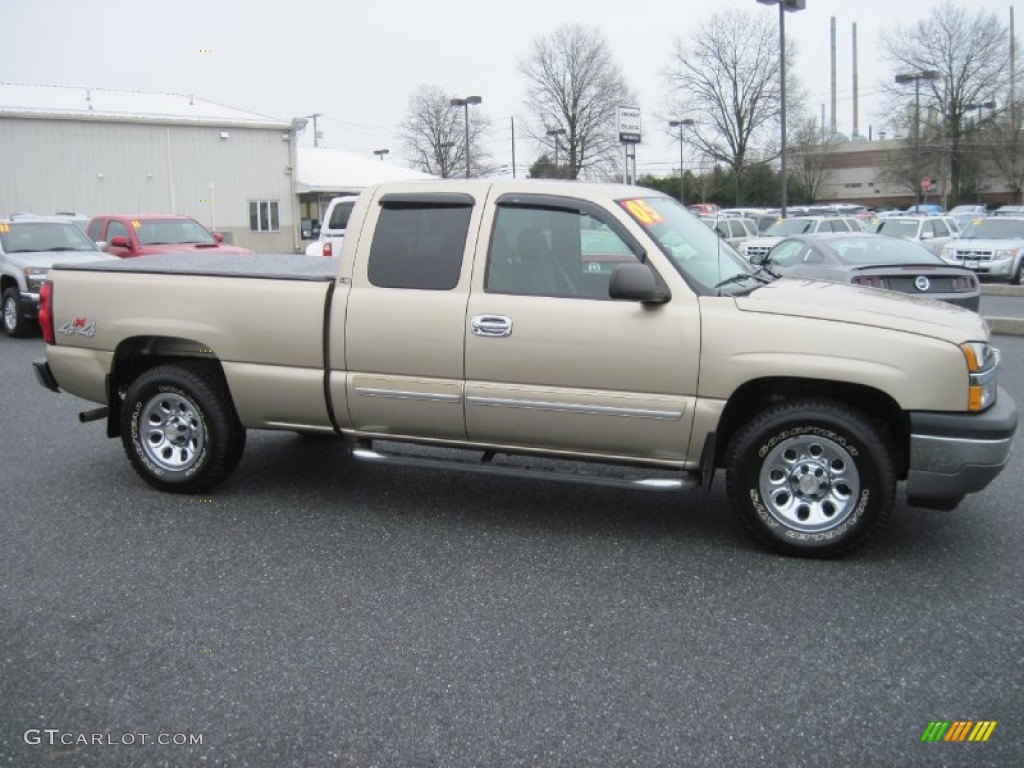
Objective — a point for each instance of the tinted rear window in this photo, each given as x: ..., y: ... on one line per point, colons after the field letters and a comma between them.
x: 419, y: 246
x: 340, y: 214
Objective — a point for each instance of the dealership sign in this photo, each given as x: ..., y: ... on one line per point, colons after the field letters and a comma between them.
x: 629, y: 125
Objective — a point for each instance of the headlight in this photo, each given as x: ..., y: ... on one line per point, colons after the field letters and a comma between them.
x: 34, y: 277
x: 1003, y: 255
x: 982, y: 361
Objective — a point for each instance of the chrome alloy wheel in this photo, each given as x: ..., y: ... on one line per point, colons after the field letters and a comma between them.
x: 172, y: 433
x: 11, y: 312
x: 809, y: 484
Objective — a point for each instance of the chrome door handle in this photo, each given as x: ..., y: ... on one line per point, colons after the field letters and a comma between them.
x: 491, y: 325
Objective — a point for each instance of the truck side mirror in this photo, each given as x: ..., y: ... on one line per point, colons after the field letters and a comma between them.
x: 637, y: 282
x: 120, y: 241
x: 218, y: 237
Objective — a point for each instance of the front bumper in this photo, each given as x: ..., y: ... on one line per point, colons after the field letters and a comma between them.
x: 952, y: 454
x: 994, y: 269
x: 29, y: 305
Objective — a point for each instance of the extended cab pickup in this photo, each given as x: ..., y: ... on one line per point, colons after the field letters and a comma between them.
x: 600, y: 324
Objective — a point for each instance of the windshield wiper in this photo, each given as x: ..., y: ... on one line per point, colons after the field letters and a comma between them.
x: 743, y: 276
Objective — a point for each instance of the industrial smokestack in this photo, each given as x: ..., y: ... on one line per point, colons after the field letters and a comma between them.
x: 833, y: 74
x: 856, y: 131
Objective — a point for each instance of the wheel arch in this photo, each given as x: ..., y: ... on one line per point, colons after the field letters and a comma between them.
x: 8, y: 281
x: 754, y: 396
x: 136, y: 355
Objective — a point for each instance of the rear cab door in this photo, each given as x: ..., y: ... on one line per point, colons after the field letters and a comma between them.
x: 397, y: 349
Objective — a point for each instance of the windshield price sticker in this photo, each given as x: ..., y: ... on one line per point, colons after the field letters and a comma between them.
x: 136, y: 223
x: 642, y: 212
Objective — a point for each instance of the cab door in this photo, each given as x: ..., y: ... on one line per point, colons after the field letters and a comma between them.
x: 402, y: 358
x: 552, y: 363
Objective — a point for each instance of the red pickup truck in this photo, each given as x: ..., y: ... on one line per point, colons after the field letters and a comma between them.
x: 127, y: 235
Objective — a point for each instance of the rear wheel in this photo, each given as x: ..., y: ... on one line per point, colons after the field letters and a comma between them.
x: 180, y: 430
x: 1018, y: 274
x: 811, y: 477
x: 14, y: 321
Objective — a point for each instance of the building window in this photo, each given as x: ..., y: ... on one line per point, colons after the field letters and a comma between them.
x: 263, y: 216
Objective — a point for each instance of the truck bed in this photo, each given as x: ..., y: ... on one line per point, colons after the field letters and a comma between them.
x: 269, y: 266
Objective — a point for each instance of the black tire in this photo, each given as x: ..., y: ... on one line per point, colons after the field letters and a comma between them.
x: 13, y: 316
x: 811, y: 477
x: 180, y: 430
x: 1018, y: 276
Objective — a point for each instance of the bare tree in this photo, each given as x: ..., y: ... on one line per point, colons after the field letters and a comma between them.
x: 726, y: 79
x: 810, y: 149
x: 574, y: 88
x: 434, y: 136
x: 969, y: 54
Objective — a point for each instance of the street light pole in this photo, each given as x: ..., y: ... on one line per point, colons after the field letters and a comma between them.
x: 465, y: 104
x: 555, y: 133
x: 916, y: 78
x: 680, y: 124
x: 380, y: 153
x: 791, y: 6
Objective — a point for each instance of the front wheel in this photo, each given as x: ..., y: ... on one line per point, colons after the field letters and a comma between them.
x: 811, y: 477
x: 180, y: 430
x: 1018, y: 274
x: 14, y: 321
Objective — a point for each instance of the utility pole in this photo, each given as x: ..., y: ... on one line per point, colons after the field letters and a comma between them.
x: 316, y: 131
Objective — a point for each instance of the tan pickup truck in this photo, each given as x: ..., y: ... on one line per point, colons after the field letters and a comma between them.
x: 563, y: 330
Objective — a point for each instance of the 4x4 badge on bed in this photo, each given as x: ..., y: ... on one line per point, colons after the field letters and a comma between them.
x: 83, y: 326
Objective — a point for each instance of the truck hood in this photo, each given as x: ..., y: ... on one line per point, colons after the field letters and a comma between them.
x: 193, y: 248
x: 986, y: 244
x: 860, y: 305
x: 46, y: 259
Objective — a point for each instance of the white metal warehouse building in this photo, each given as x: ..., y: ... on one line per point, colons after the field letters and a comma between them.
x: 94, y: 150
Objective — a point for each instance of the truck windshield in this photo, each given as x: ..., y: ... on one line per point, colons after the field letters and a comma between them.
x: 696, y: 251
x: 38, y: 236
x: 169, y: 231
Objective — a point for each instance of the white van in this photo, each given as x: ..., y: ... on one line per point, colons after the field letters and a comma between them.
x: 332, y: 232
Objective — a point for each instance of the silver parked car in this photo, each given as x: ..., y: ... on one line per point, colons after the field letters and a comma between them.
x: 877, y: 261
x: 992, y: 247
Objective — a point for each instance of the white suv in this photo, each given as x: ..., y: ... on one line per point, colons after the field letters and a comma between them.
x: 332, y: 232
x: 933, y: 232
x: 797, y: 225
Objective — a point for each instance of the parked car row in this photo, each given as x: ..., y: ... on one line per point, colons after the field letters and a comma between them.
x: 30, y: 244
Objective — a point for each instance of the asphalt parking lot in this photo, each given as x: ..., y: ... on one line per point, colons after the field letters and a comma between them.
x: 315, y: 611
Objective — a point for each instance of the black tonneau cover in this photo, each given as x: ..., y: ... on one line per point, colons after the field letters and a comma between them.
x: 267, y: 266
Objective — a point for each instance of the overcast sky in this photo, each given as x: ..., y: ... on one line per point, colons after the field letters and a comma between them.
x: 357, y: 62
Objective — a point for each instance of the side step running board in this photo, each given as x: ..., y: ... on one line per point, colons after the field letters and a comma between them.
x: 363, y: 450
